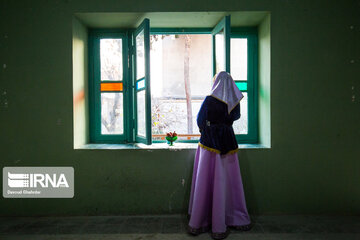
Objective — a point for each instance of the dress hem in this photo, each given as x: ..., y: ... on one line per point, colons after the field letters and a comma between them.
x: 197, y: 231
x: 207, y: 228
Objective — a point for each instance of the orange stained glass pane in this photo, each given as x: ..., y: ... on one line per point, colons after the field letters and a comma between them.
x: 105, y: 87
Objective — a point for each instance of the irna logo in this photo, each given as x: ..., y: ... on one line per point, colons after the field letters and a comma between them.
x: 38, y: 182
x: 16, y: 180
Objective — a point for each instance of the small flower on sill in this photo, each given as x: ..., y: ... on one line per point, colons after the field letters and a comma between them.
x: 171, y: 137
x: 171, y: 134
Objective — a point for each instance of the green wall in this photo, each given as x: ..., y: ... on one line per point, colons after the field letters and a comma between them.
x: 312, y: 167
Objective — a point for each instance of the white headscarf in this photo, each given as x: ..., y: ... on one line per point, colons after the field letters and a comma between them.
x: 225, y: 90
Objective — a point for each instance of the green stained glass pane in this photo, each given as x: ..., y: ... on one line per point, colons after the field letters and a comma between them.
x: 241, y: 85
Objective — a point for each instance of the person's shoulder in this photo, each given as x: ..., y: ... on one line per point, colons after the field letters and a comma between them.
x: 207, y: 98
x: 215, y: 100
x: 211, y: 98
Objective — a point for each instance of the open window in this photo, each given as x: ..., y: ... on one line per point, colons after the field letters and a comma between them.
x: 146, y: 81
x: 221, y: 46
x: 183, y: 79
x: 141, y: 73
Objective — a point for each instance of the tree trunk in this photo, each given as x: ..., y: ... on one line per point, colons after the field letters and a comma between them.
x: 187, y: 83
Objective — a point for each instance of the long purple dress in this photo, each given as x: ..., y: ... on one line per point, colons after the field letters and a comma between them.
x: 217, y: 197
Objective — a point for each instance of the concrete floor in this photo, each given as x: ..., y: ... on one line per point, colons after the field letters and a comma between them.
x: 174, y: 227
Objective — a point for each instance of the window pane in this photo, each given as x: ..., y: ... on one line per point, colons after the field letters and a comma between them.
x: 241, y: 126
x: 111, y: 87
x: 242, y: 86
x: 179, y: 61
x: 111, y: 59
x: 141, y: 113
x: 239, y: 58
x: 140, y: 84
x: 112, y: 113
x: 140, y: 55
x: 220, y: 51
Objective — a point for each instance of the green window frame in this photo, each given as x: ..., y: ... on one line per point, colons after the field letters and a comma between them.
x: 251, y: 85
x: 130, y: 80
x: 141, y: 84
x: 94, y: 86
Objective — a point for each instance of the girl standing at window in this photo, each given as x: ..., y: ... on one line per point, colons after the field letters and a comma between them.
x: 217, y: 198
